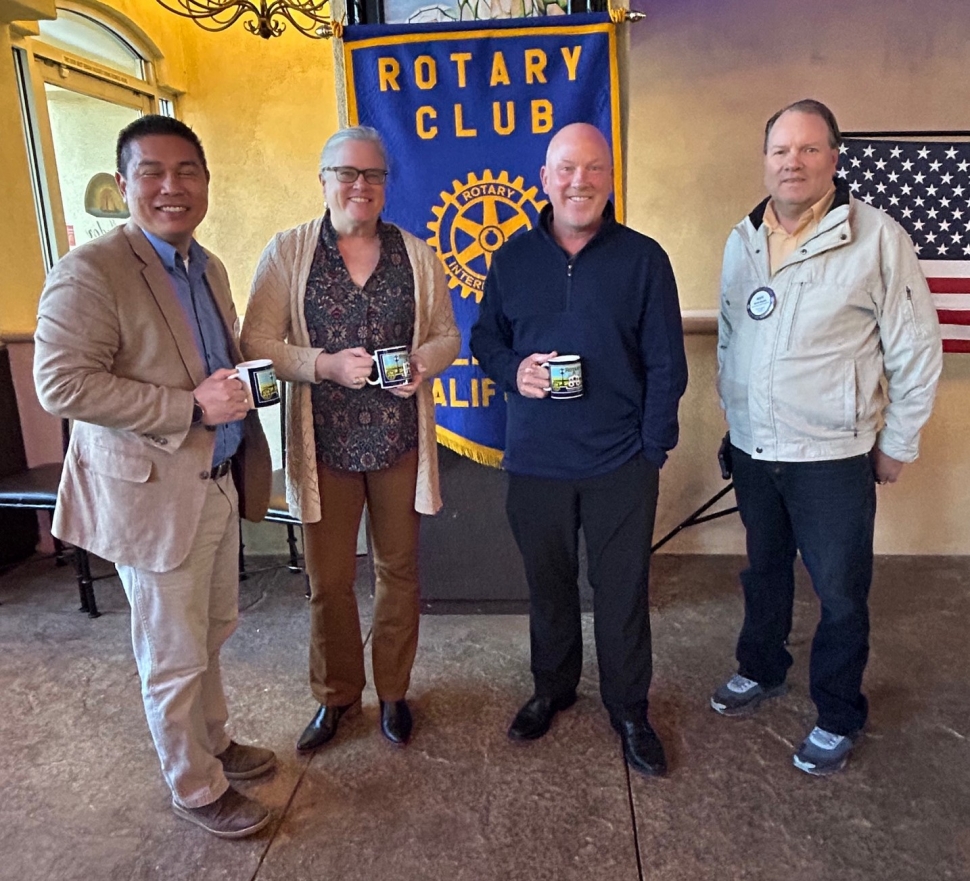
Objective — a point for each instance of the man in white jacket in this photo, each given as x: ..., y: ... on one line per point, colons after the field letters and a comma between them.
x: 828, y: 353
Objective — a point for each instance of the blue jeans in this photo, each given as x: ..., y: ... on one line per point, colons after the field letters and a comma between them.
x: 825, y: 510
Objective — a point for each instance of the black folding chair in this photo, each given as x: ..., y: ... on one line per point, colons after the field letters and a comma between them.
x: 279, y: 512
x: 36, y: 488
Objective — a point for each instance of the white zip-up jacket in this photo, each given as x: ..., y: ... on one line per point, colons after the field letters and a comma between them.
x: 850, y: 351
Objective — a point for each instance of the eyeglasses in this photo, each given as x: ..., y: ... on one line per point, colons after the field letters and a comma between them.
x: 347, y: 174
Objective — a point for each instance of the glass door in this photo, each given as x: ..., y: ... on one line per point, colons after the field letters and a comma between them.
x: 81, y: 83
x: 83, y: 133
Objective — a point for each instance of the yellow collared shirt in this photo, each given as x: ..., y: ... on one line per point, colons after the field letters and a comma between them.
x: 782, y: 243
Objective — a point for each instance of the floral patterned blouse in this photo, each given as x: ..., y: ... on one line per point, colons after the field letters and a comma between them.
x: 360, y: 429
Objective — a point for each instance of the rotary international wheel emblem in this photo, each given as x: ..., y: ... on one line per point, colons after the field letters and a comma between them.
x: 474, y: 221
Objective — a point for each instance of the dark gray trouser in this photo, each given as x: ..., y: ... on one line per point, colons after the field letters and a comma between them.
x: 616, y: 512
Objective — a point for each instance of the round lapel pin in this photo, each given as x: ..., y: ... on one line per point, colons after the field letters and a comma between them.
x: 761, y: 303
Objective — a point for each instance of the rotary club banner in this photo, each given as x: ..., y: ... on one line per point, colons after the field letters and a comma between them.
x: 467, y: 110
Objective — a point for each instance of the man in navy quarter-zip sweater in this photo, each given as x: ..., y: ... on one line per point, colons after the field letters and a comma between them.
x: 581, y: 283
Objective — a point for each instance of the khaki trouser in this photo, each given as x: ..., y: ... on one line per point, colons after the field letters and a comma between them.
x: 179, y: 622
x: 336, y: 647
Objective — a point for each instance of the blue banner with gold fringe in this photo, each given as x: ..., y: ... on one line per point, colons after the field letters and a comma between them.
x: 467, y: 110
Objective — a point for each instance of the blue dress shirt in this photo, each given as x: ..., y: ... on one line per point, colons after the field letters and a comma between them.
x: 208, y: 329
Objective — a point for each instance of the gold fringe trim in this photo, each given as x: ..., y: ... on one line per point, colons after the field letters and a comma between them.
x: 469, y: 449
x: 618, y: 16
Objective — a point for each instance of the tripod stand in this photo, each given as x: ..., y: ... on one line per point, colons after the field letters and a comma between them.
x: 696, y: 517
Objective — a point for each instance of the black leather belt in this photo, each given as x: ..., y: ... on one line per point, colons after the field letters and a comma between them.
x: 221, y: 470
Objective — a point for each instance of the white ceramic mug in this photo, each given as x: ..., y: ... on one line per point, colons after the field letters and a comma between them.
x: 259, y: 377
x: 565, y: 377
x: 392, y: 367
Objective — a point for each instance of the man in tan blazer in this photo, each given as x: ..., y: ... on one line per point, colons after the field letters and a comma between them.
x: 136, y: 340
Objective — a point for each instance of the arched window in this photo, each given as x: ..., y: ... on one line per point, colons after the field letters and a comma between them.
x: 88, y: 38
x: 82, y: 79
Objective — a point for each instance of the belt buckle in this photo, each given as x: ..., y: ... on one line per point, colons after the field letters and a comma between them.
x: 222, y: 469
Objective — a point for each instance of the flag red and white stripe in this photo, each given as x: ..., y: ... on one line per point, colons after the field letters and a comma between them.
x: 923, y: 182
x: 949, y: 281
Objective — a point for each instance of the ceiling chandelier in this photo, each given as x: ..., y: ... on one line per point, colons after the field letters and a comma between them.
x: 269, y: 17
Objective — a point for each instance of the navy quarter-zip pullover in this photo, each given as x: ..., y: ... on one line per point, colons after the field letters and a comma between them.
x: 615, y: 304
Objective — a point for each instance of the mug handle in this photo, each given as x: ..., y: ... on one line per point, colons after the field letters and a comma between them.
x: 378, y: 380
x: 243, y: 377
x: 547, y: 388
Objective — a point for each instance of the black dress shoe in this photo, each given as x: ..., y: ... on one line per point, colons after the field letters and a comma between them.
x: 534, y: 719
x: 323, y: 726
x: 396, y: 722
x: 642, y: 748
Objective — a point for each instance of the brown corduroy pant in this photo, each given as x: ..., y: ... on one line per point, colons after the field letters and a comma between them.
x: 336, y: 647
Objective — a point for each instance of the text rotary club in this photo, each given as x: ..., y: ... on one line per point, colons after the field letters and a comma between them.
x: 426, y: 73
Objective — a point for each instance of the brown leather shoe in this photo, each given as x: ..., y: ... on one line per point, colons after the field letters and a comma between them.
x: 241, y: 762
x: 232, y: 815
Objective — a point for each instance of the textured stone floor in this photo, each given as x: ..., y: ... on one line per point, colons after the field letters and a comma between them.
x: 81, y: 796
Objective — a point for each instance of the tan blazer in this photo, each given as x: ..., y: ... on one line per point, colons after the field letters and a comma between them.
x: 115, y: 352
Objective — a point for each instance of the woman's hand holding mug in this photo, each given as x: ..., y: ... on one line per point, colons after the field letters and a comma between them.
x: 348, y: 367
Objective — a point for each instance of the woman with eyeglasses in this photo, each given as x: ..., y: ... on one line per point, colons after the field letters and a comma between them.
x: 325, y: 297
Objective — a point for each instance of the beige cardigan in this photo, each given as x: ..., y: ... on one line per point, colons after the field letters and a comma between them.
x: 275, y: 328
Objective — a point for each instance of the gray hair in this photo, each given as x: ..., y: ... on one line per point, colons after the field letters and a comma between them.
x: 353, y: 133
x: 812, y: 108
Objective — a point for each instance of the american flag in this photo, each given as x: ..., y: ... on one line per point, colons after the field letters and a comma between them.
x: 923, y: 184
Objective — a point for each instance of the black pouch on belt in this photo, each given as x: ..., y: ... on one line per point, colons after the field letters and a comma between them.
x: 724, y: 457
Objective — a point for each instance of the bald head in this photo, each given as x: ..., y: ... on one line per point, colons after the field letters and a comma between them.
x: 579, y: 135
x: 578, y: 179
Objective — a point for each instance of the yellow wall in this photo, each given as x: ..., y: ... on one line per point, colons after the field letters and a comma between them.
x: 263, y: 110
x: 706, y: 74
x: 703, y: 76
x: 19, y: 243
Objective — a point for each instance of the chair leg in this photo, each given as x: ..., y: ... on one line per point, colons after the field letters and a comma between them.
x: 242, y: 557
x: 85, y: 584
x: 306, y: 575
x: 60, y: 553
x: 294, y: 564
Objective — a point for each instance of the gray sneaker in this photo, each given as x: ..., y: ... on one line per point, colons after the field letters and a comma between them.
x: 823, y: 752
x: 740, y: 696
